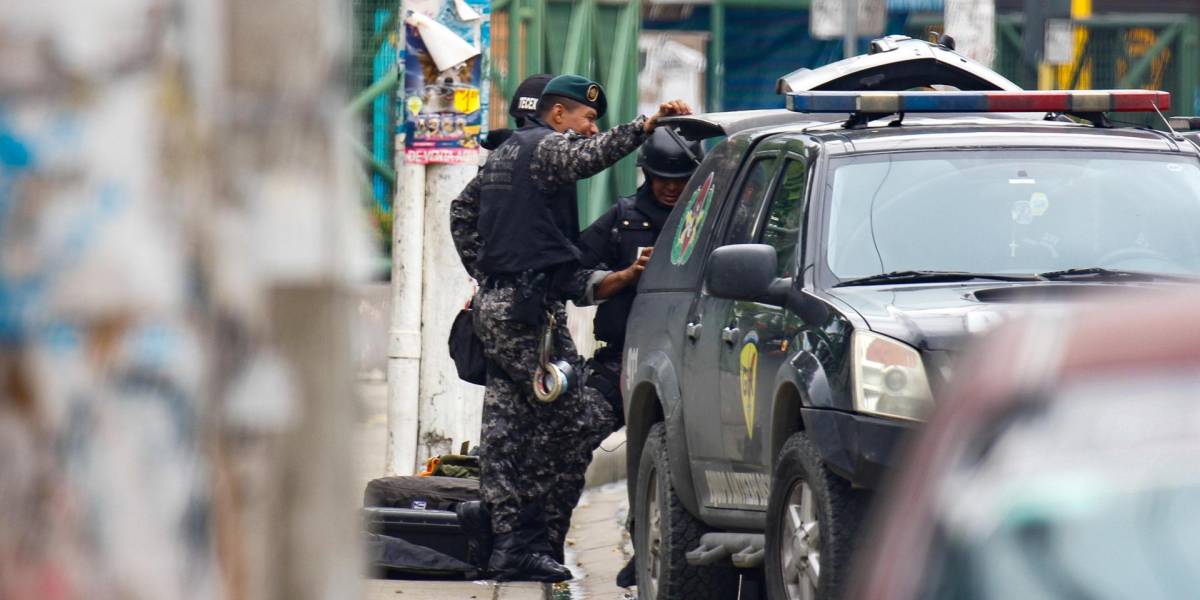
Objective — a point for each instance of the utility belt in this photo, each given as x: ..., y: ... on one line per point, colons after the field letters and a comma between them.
x: 533, y: 291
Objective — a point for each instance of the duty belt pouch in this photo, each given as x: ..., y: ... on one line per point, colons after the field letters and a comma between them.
x: 466, y: 349
x: 529, y: 299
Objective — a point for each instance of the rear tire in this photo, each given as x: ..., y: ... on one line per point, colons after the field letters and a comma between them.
x: 813, y: 517
x: 663, y: 533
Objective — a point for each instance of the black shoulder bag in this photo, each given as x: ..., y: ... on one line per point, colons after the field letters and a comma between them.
x: 466, y: 349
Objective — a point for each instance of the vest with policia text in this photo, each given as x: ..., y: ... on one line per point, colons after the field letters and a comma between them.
x: 522, y: 228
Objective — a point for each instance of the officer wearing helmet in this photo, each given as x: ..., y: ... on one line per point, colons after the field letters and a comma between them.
x: 628, y: 229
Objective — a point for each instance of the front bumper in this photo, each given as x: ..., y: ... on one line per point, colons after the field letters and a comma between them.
x: 858, y: 448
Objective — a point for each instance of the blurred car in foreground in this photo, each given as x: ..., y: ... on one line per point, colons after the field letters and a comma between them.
x: 1065, y: 464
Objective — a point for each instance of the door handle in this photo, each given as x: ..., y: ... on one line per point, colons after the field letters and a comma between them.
x: 693, y: 330
x: 729, y: 335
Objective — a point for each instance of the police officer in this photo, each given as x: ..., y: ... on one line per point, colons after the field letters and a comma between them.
x: 516, y: 227
x: 628, y: 230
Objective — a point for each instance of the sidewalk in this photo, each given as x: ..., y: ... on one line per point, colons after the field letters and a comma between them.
x: 599, y: 544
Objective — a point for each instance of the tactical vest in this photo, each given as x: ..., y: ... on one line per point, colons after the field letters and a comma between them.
x: 522, y: 228
x: 631, y: 229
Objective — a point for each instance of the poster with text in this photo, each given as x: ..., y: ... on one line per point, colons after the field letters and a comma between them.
x: 444, y: 100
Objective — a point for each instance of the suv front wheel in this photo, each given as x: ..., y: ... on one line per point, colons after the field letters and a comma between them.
x: 812, y: 518
x: 663, y: 532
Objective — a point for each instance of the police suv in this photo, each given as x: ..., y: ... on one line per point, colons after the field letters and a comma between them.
x: 823, y: 267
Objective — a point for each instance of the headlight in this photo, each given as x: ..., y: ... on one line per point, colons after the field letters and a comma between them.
x: 889, y: 378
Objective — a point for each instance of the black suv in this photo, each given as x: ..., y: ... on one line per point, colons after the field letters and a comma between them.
x: 809, y: 291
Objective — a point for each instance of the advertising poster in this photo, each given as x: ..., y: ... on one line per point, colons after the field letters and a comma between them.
x: 445, y: 89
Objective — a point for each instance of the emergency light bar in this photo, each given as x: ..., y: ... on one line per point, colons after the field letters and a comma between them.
x: 1074, y: 101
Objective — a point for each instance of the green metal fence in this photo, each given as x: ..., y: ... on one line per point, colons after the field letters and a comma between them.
x: 373, y: 78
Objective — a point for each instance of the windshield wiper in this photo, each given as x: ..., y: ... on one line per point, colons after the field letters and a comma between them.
x: 1103, y: 274
x: 935, y: 277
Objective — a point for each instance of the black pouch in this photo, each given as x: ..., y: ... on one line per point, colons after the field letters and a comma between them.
x: 529, y: 301
x: 466, y: 349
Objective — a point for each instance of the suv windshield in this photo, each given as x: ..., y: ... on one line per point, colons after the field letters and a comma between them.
x: 1013, y: 212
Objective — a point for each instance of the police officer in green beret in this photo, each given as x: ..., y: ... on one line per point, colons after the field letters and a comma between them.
x: 516, y: 229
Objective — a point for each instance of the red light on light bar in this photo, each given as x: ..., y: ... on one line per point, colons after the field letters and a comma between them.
x: 1028, y: 101
x: 1079, y: 101
x: 1131, y: 101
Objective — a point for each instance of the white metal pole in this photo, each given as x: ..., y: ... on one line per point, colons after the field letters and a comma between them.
x: 404, y: 340
x: 451, y: 410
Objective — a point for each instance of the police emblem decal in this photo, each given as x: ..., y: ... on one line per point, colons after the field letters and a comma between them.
x: 748, y: 376
x: 693, y: 219
x: 593, y: 92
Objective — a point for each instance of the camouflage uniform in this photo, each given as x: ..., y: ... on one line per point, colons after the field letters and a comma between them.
x: 534, y: 453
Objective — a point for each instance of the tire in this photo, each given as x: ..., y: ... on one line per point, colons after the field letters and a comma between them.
x: 804, y: 490
x: 661, y: 544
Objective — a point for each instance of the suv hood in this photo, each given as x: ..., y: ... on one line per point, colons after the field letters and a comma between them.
x: 945, y: 316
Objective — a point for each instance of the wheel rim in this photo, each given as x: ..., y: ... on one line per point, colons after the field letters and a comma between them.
x: 653, y: 535
x: 800, y: 544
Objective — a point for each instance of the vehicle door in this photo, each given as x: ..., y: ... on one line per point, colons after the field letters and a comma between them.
x: 704, y: 405
x: 755, y: 336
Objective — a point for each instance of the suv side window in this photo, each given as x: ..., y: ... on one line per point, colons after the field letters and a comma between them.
x: 785, y: 221
x: 750, y: 200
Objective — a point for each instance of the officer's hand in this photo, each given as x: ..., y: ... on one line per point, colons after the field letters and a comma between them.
x: 639, y: 265
x: 668, y: 109
x: 619, y: 280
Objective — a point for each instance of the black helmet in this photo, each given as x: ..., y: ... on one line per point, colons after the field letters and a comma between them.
x: 669, y: 156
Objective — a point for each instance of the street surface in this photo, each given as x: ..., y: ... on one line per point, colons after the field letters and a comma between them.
x: 597, y: 545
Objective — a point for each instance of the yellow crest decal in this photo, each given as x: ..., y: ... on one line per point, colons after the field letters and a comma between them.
x: 749, y: 375
x: 593, y: 92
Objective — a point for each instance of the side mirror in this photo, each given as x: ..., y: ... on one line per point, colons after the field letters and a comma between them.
x: 746, y: 272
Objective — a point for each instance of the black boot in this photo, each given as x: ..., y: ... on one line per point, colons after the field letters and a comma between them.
x: 627, y: 576
x: 476, y: 522
x: 537, y: 534
x: 512, y: 561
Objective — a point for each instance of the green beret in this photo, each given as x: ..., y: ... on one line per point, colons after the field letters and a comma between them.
x: 581, y: 89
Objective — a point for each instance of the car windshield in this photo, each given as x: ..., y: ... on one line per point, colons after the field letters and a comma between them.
x: 1018, y: 212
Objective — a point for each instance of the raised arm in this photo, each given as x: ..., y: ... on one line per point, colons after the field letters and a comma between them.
x: 563, y: 159
x: 566, y: 158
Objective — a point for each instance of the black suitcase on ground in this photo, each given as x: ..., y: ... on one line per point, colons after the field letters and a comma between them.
x: 431, y: 493
x: 412, y: 530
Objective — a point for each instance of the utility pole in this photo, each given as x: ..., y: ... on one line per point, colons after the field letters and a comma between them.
x: 408, y: 247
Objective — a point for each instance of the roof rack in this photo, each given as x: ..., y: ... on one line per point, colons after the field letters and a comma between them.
x: 1086, y: 104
